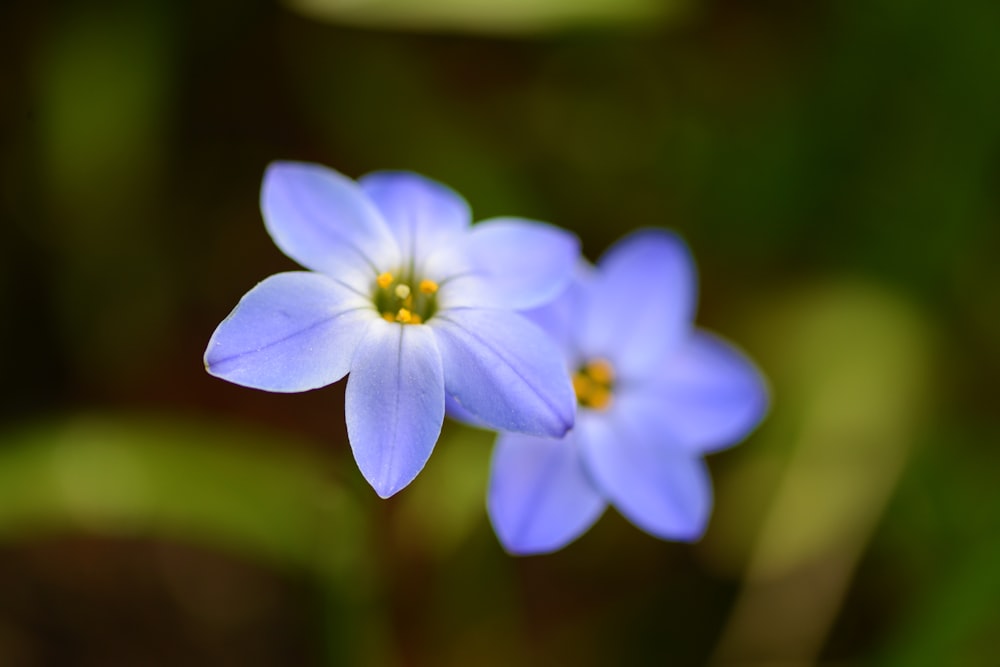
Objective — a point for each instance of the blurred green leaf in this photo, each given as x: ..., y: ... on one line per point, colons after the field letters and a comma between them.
x: 105, y: 77
x: 487, y: 16
x: 850, y: 363
x: 104, y: 80
x: 940, y: 545
x: 955, y: 621
x: 248, y: 492
x: 204, y: 483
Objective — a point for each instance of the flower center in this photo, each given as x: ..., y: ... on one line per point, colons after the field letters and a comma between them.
x: 593, y: 384
x: 398, y: 302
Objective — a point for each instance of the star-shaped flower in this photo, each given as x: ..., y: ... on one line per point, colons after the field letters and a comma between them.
x: 655, y: 394
x: 412, y: 302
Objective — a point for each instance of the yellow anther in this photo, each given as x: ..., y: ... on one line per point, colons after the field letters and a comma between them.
x: 397, y: 302
x: 592, y: 384
x: 581, y: 385
x: 599, y: 398
x: 600, y: 371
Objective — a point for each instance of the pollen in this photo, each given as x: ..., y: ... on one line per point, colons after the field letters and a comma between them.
x: 599, y: 398
x: 593, y: 384
x: 402, y: 298
x: 601, y: 371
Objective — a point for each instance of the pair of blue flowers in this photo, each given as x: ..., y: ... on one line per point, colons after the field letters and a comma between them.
x: 601, y: 388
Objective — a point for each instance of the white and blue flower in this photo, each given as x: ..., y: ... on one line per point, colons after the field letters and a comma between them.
x: 655, y: 394
x: 412, y: 302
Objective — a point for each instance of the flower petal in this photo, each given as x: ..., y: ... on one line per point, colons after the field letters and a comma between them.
x: 505, y: 371
x: 423, y: 214
x: 394, y: 403
x: 661, y: 489
x: 325, y: 222
x: 641, y: 303
x: 454, y: 410
x: 560, y: 317
x: 292, y: 332
x: 524, y: 263
x: 540, y: 498
x: 709, y: 396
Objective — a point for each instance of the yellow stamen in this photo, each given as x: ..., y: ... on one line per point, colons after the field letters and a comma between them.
x: 398, y: 302
x: 592, y: 384
x: 600, y: 371
x: 599, y: 398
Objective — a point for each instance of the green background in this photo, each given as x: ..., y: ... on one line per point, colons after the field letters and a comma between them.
x: 835, y: 167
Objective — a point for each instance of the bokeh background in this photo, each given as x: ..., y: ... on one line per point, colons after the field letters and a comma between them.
x: 835, y: 166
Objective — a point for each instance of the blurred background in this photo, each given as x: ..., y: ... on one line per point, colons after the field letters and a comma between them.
x: 835, y: 166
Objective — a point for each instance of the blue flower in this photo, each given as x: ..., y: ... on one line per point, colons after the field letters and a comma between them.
x: 655, y: 394
x: 412, y: 302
